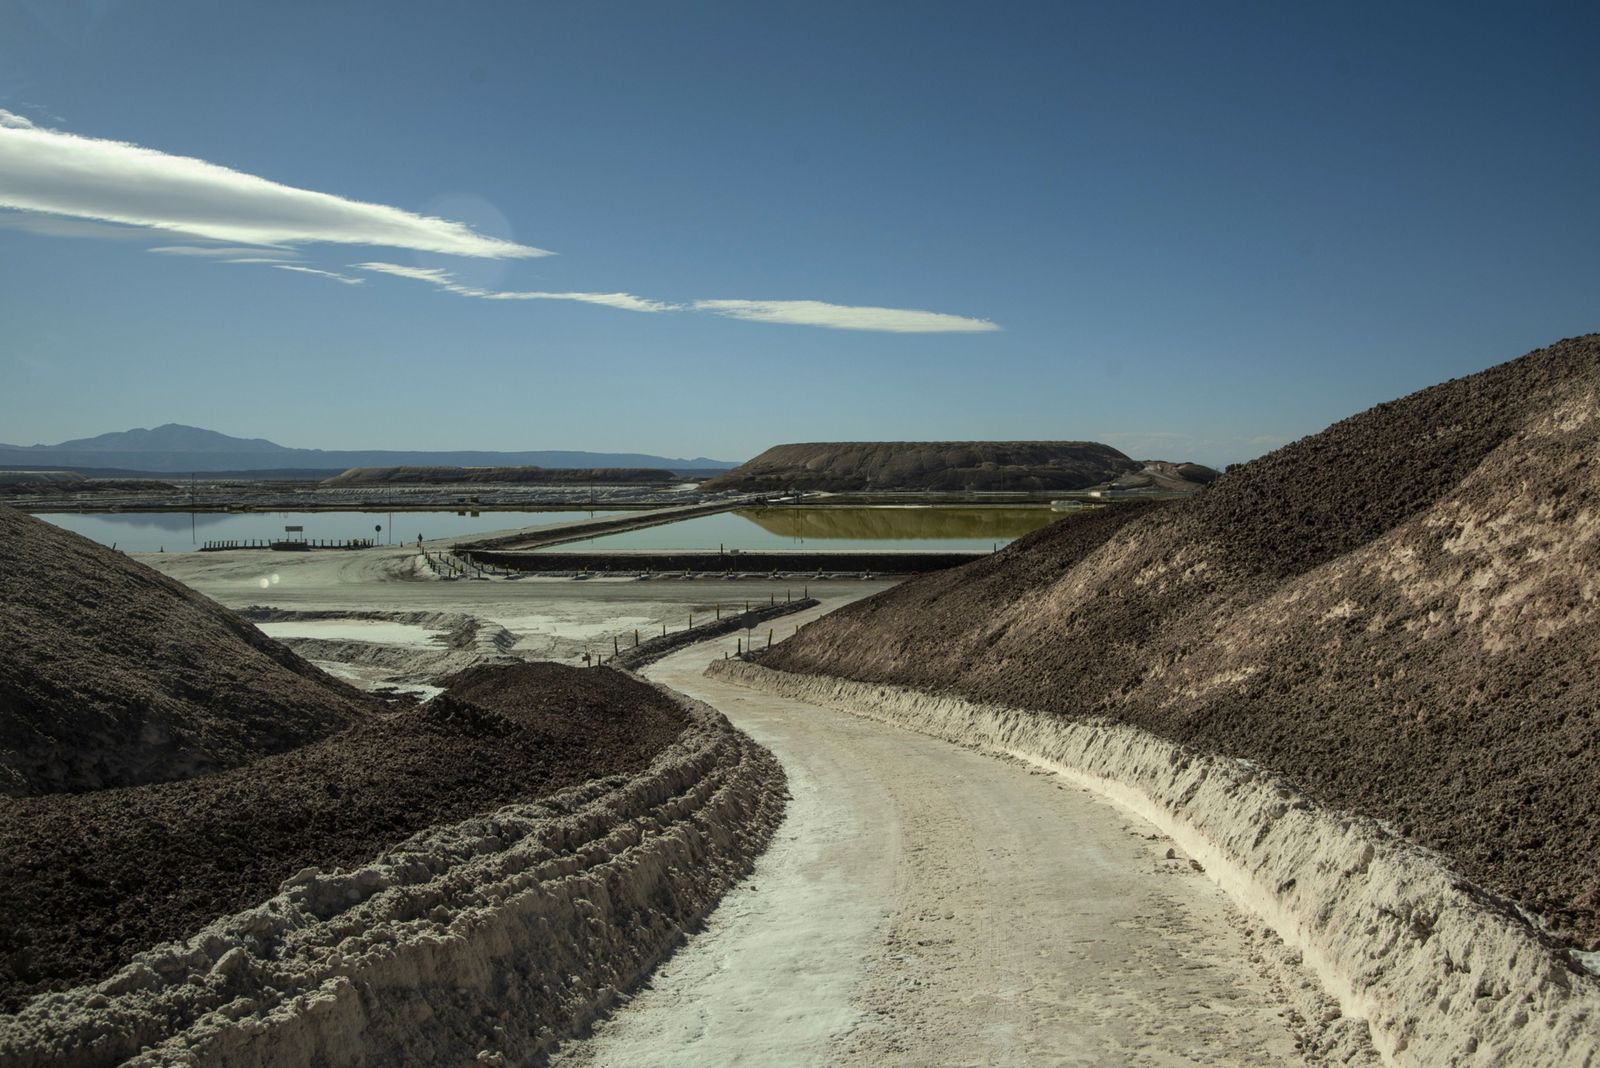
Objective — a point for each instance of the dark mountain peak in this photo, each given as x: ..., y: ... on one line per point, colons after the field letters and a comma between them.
x: 169, y: 437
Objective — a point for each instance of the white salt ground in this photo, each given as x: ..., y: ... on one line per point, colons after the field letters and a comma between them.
x: 923, y: 904
x: 575, y: 629
x: 376, y: 631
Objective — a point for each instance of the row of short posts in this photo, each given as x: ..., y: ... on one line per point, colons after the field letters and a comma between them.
x: 772, y: 600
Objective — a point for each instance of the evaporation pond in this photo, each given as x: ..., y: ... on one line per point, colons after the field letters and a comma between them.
x: 376, y: 631
x: 148, y: 532
x: 853, y: 528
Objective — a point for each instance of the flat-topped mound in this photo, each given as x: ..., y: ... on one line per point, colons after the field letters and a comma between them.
x: 514, y: 476
x: 155, y: 863
x: 1401, y: 613
x: 65, y: 482
x: 929, y: 465
x: 114, y: 675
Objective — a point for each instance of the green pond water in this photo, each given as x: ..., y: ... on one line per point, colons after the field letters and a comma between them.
x: 841, y: 529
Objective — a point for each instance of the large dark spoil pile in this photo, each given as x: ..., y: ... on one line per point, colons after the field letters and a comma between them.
x: 929, y: 465
x: 93, y: 878
x: 1401, y: 613
x: 112, y: 674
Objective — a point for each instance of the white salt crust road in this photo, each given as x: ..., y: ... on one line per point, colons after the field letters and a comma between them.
x: 924, y: 904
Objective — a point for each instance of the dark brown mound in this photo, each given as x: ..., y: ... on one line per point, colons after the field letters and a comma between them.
x: 112, y: 674
x: 1401, y: 613
x: 528, y: 476
x: 94, y: 878
x: 928, y: 465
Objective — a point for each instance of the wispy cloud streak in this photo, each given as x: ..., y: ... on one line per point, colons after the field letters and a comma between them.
x: 64, y: 174
x: 65, y: 184
x: 446, y: 281
x: 796, y: 312
x: 335, y: 275
x: 224, y: 252
x: 845, y: 316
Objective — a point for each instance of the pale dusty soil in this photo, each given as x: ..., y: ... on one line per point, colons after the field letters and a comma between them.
x: 550, y: 619
x: 923, y: 904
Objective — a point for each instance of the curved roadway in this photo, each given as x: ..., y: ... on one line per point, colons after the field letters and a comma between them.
x: 923, y: 904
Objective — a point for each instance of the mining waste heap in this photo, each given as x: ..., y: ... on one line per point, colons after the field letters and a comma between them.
x: 216, y: 853
x: 1401, y: 615
x: 942, y: 466
x: 115, y: 675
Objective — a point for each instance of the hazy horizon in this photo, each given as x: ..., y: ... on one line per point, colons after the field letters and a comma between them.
x: 1192, y: 234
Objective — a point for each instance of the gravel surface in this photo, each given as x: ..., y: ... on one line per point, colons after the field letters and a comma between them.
x: 1401, y: 614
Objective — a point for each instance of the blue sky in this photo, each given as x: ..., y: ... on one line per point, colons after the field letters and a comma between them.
x: 1191, y: 231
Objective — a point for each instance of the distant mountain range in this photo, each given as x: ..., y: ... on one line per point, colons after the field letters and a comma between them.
x: 178, y: 449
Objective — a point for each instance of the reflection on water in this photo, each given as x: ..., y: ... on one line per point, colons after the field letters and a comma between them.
x: 905, y: 523
x: 147, y: 532
x: 168, y: 522
x: 844, y: 529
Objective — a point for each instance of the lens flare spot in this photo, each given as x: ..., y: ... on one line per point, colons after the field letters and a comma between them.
x: 274, y: 578
x: 265, y: 583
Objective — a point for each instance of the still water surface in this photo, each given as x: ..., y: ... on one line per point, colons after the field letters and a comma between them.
x: 182, y: 531
x: 844, y: 529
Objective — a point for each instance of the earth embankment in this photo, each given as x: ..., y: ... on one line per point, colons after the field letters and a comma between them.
x: 485, y: 939
x: 95, y: 878
x: 1400, y: 615
x: 1425, y: 968
x: 114, y: 675
x: 928, y: 465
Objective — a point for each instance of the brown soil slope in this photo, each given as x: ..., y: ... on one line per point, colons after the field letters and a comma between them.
x: 113, y: 675
x: 94, y: 878
x: 1401, y: 613
x: 928, y: 465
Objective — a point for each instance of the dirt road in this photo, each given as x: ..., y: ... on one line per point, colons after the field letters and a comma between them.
x: 924, y: 904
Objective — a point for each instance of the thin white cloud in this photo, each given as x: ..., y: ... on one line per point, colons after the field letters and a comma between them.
x: 64, y: 174
x: 446, y: 281
x: 624, y: 301
x: 845, y: 317
x: 56, y: 226
x: 335, y: 275
x: 71, y: 186
x: 437, y: 275
x: 223, y: 251
x: 800, y: 312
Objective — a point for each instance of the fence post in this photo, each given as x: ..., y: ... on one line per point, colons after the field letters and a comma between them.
x: 636, y: 637
x: 769, y: 638
x: 614, y: 649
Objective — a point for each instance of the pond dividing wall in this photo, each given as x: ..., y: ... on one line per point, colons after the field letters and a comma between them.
x: 668, y: 563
